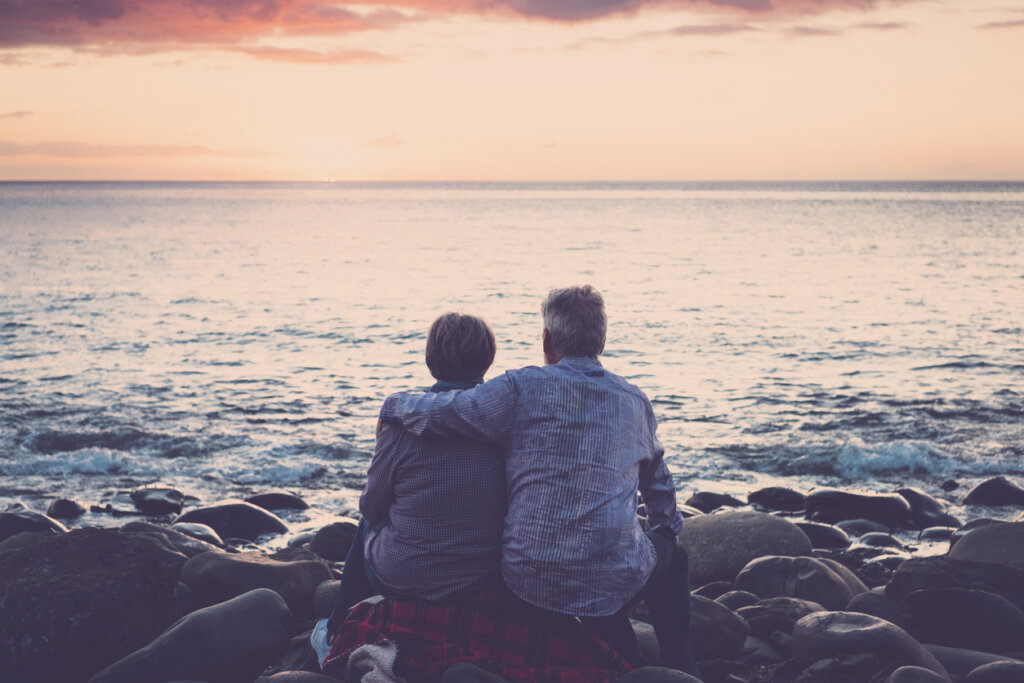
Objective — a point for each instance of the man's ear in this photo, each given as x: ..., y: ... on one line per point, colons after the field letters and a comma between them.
x: 546, y: 340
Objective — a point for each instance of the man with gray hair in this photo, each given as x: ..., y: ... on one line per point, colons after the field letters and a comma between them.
x: 580, y: 445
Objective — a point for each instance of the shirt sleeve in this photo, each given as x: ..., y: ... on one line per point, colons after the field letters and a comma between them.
x: 376, y: 499
x: 657, y: 487
x: 484, y: 412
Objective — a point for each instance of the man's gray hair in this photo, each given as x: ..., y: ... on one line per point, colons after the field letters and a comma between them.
x: 575, y: 320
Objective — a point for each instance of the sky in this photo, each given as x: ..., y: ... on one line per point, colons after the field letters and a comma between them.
x: 531, y: 90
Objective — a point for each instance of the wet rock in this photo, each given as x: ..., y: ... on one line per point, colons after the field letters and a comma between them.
x: 777, y: 498
x: 877, y: 539
x: 199, y: 531
x: 19, y: 520
x: 278, y: 500
x: 655, y: 674
x: 186, y: 545
x: 72, y: 603
x: 776, y: 614
x: 995, y: 492
x: 324, y: 598
x: 158, y: 499
x: 936, y: 533
x: 706, y: 501
x: 859, y: 527
x: 333, y: 541
x: 877, y: 604
x: 960, y: 662
x: 688, y: 511
x: 759, y: 651
x: 807, y: 578
x: 218, y: 576
x: 737, y: 599
x: 916, y: 674
x: 999, y: 543
x: 970, y: 619
x: 833, y: 505
x: 971, y: 526
x: 825, y: 635
x: 236, y: 519
x: 926, y: 510
x: 65, y: 508
x: 997, y: 672
x: 714, y: 589
x: 750, y: 535
x: 230, y: 641
x: 824, y: 535
x: 940, y: 573
x: 717, y: 631
x: 855, y: 585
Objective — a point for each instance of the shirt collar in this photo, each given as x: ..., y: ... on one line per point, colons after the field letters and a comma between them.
x: 581, y: 363
x: 447, y: 385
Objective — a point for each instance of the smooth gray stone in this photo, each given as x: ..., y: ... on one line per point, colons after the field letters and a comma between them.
x: 707, y: 501
x: 776, y: 614
x: 995, y: 492
x: 334, y: 540
x: 807, y: 578
x: 929, y: 573
x: 655, y: 674
x: 64, y: 508
x: 15, y: 522
x: 859, y: 527
x: 777, y: 498
x: 202, y: 532
x: 997, y: 672
x: 959, y: 661
x: 717, y: 632
x: 278, y: 500
x: 999, y: 543
x: 236, y: 519
x: 158, y: 499
x: 825, y: 535
x: 324, y: 598
x: 737, y: 599
x: 833, y: 505
x: 971, y: 619
x: 230, y: 641
x: 927, y: 510
x: 187, y: 545
x: 916, y: 674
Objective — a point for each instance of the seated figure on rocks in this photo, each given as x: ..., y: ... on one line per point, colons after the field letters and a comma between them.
x: 579, y: 444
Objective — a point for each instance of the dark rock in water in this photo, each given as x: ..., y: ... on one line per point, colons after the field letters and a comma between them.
x: 960, y: 662
x: 915, y: 674
x: 231, y: 641
x: 807, y: 578
x: 776, y: 614
x: 749, y: 535
x: 878, y: 539
x: 937, y: 533
x: 717, y: 631
x: 926, y: 510
x: 832, y: 505
x: 995, y: 492
x: 65, y: 508
x: 184, y: 544
x: 734, y: 600
x: 878, y: 604
x: 859, y: 527
x: 825, y: 635
x: 157, y: 499
x: 879, y: 569
x: 688, y: 511
x: 278, y: 500
x: 706, y: 501
x: 17, y: 521
x: 777, y: 498
x: 72, y: 603
x: 648, y: 674
x: 825, y: 535
x: 324, y: 598
x: 301, y: 539
x: 949, y: 485
x: 333, y: 541
x: 971, y: 526
x: 714, y: 589
x: 997, y: 672
x: 218, y: 576
x: 940, y: 573
x: 200, y: 532
x: 971, y: 619
x: 236, y: 519
x: 999, y: 543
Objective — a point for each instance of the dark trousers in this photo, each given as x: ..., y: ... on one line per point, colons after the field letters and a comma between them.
x: 357, y: 581
x: 667, y: 596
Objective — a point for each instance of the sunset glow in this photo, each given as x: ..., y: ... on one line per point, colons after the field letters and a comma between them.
x: 511, y: 89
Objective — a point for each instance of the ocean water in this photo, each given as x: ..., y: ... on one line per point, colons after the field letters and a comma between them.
x: 228, y: 339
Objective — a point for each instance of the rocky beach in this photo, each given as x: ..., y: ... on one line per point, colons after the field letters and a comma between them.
x: 788, y: 587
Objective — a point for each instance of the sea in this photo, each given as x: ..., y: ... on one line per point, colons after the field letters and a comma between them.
x: 228, y: 339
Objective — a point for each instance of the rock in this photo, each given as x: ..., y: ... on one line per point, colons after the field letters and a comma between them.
x: 706, y: 501
x: 824, y: 535
x: 971, y: 526
x: 915, y: 674
x: 855, y: 585
x: 997, y: 672
x: 158, y: 499
x: 998, y: 543
x: 652, y: 674
x: 970, y: 619
x: 959, y: 662
x: 807, y: 578
x: 832, y: 505
x: 230, y: 641
x: 720, y: 545
x: 717, y: 631
x: 218, y: 576
x: 940, y: 573
x: 777, y: 498
x: 298, y: 677
x: 995, y: 492
x: 646, y: 640
x: 937, y: 533
x: 20, y: 520
x: 825, y: 635
x: 324, y: 598
x: 758, y: 651
x: 859, y: 527
x: 65, y: 508
x: 333, y: 541
x: 714, y: 589
x: 926, y: 510
x: 278, y: 500
x: 736, y: 599
x: 877, y: 604
x: 186, y: 545
x: 877, y: 539
x: 22, y: 540
x: 236, y: 519
x: 776, y: 614
x: 199, y: 531
x: 299, y: 656
x: 72, y: 603
x: 688, y: 511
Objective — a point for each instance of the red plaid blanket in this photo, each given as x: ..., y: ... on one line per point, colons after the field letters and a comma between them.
x: 497, y: 633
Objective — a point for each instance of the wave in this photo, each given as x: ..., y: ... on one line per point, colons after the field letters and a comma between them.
x: 128, y: 439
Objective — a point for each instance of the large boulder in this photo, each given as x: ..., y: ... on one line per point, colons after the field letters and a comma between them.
x: 333, y: 541
x: 231, y: 642
x: 720, y: 545
x: 915, y: 674
x: 926, y: 510
x: 941, y: 573
x: 833, y: 505
x: 236, y: 519
x: 158, y: 499
x: 65, y: 508
x: 278, y: 500
x: 999, y: 543
x: 16, y: 521
x: 969, y: 619
x: 217, y: 576
x: 717, y: 632
x: 829, y: 635
x: 995, y: 492
x: 707, y: 501
x: 825, y: 535
x: 997, y: 672
x: 71, y: 604
x: 807, y: 578
x: 188, y: 546
x: 776, y: 614
x: 960, y: 662
x: 777, y: 498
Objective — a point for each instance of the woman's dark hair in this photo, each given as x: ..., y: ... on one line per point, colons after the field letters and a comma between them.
x: 459, y: 347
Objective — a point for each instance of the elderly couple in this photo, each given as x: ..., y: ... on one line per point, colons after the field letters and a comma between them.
x: 525, y: 487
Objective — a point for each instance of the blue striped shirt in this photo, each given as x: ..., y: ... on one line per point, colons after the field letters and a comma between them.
x: 580, y: 442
